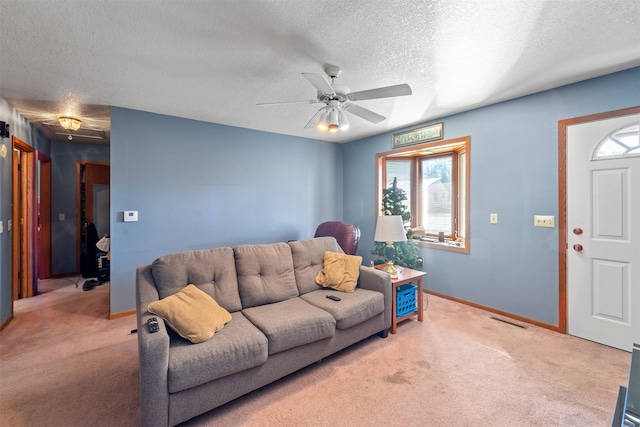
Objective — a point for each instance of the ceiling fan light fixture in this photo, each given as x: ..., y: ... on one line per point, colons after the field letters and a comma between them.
x: 343, y: 122
x: 334, y: 123
x: 322, y: 124
x: 69, y: 123
x: 338, y: 98
x: 333, y: 117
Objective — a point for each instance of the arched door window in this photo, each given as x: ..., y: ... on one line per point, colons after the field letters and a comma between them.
x: 621, y: 143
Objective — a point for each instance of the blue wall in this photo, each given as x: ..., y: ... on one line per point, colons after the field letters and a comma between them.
x: 64, y: 156
x: 201, y: 185
x: 22, y: 129
x: 514, y: 172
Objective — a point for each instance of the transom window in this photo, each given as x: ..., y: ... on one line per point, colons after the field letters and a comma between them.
x: 435, y: 179
x: 621, y: 143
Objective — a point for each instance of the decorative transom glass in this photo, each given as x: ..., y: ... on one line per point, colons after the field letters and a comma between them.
x: 623, y: 142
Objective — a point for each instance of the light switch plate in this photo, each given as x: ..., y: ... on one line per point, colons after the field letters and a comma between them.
x: 493, y: 218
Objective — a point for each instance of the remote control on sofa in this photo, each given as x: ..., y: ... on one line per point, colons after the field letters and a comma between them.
x: 153, y: 325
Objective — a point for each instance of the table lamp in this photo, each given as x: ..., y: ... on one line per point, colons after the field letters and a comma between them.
x: 389, y: 229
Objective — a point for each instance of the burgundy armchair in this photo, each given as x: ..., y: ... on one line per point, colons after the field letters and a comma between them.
x: 347, y: 235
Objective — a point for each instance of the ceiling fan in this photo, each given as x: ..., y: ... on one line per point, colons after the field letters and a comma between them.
x: 339, y: 100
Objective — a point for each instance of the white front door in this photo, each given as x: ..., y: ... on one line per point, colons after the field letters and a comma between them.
x: 603, y: 236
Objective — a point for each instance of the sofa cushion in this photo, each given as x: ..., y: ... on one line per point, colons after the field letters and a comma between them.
x: 308, y: 260
x: 239, y: 346
x: 211, y: 270
x: 340, y: 271
x: 265, y: 273
x: 291, y: 323
x: 352, y: 309
x: 192, y: 313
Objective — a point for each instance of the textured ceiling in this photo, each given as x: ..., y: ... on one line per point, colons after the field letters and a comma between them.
x: 215, y: 60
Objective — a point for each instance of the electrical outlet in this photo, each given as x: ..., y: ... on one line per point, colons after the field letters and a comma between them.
x: 544, y: 221
x: 493, y: 218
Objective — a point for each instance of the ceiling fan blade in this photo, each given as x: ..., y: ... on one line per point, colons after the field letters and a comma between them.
x: 364, y: 113
x: 320, y: 82
x: 381, y: 92
x: 268, y: 104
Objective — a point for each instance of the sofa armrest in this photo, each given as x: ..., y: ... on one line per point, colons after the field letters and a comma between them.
x: 377, y: 280
x: 153, y: 354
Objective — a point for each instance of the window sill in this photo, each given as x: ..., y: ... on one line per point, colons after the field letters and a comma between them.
x: 447, y: 245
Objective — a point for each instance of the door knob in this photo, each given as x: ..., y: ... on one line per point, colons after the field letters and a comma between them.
x: 577, y: 231
x: 577, y: 247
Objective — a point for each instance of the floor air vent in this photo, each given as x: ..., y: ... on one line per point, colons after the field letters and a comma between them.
x: 508, y: 322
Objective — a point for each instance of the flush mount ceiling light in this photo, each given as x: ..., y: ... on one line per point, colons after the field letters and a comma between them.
x: 70, y: 123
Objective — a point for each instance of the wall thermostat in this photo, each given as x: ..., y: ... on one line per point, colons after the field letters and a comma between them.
x: 130, y: 216
x: 4, y: 130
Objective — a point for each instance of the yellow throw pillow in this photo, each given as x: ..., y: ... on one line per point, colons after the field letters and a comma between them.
x: 340, y: 271
x: 192, y: 313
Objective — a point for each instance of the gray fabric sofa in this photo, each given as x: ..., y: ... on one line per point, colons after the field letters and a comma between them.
x: 281, y: 322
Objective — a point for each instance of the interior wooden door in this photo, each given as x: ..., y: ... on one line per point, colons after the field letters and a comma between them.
x: 93, y: 179
x: 44, y: 217
x: 16, y: 251
x: 97, y: 178
x: 24, y: 280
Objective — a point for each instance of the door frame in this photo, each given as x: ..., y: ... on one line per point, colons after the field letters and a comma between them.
x: 562, y: 201
x: 25, y: 262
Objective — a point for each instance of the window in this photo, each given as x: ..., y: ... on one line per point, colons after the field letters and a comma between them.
x: 435, y: 186
x: 400, y: 169
x: 435, y: 178
x: 621, y: 143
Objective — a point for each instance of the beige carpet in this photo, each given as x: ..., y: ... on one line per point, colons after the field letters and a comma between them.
x: 62, y: 363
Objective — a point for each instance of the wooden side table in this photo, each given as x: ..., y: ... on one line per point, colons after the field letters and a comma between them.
x: 405, y: 275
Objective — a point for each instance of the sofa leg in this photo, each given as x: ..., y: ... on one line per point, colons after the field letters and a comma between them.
x: 384, y: 333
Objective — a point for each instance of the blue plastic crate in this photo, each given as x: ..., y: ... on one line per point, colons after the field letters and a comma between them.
x: 406, y: 299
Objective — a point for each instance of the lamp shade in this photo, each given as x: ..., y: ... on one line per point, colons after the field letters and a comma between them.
x: 390, y: 228
x: 322, y: 124
x: 332, y: 119
x: 344, y: 123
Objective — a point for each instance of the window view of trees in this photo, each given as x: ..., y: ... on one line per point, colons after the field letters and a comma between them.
x: 434, y: 178
x: 436, y: 203
x: 400, y: 170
